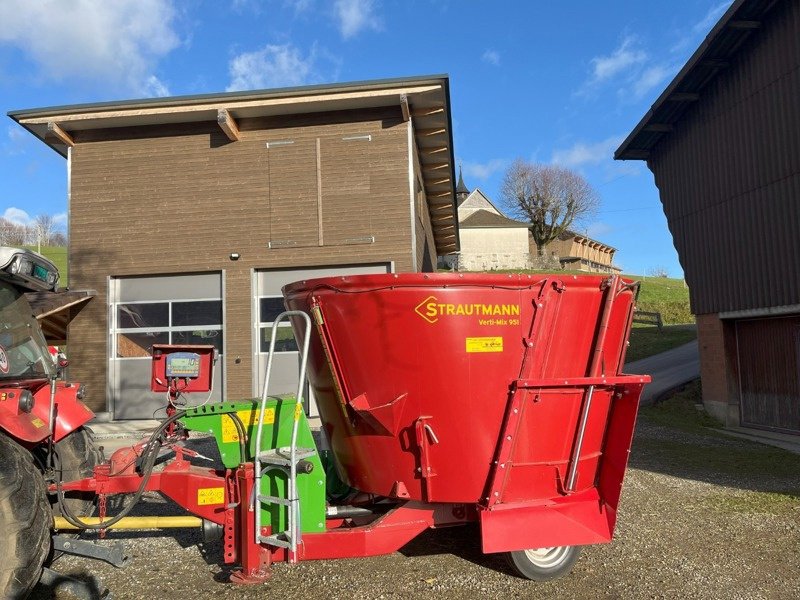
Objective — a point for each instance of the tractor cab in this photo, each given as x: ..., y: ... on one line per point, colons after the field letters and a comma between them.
x: 24, y: 355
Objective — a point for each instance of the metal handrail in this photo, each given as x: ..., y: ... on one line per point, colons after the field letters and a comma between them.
x: 294, y: 532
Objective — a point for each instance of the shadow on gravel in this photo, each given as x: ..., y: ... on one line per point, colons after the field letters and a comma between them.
x: 463, y: 541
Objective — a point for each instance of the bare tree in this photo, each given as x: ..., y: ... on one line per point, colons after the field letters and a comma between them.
x: 43, y: 227
x: 549, y: 197
x: 13, y: 234
x: 658, y: 271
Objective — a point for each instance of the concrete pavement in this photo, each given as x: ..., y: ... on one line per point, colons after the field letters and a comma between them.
x: 669, y: 370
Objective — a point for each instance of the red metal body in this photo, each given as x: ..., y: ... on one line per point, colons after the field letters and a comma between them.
x: 488, y: 398
x: 32, y: 428
x: 476, y: 389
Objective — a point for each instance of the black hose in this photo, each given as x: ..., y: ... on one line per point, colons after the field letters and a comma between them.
x: 150, y: 454
x: 237, y: 422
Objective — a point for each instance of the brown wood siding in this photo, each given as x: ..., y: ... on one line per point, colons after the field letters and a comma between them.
x: 729, y: 176
x: 769, y: 372
x: 181, y: 200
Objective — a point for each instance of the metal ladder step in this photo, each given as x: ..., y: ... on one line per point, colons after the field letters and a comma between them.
x: 281, y: 456
x: 277, y: 500
x: 275, y: 540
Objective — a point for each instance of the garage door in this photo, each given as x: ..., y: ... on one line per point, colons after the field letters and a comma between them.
x: 268, y: 305
x: 769, y: 372
x: 180, y: 309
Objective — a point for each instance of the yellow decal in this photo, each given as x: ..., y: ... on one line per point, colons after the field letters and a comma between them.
x: 431, y: 309
x: 249, y: 419
x: 484, y: 344
x: 37, y: 422
x: 206, y: 496
x: 298, y: 410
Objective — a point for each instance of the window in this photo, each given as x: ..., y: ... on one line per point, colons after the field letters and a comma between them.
x: 269, y: 308
x: 142, y: 324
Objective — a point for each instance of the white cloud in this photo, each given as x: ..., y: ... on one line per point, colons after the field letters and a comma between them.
x: 354, y: 16
x: 491, y: 57
x: 711, y: 18
x: 650, y: 78
x: 274, y: 66
x: 689, y: 38
x: 586, y: 153
x: 482, y: 171
x: 113, y: 44
x: 17, y: 216
x: 60, y: 219
x: 626, y: 55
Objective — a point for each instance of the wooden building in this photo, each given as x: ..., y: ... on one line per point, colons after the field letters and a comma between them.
x: 489, y: 239
x: 188, y: 214
x: 722, y: 141
x: 581, y: 253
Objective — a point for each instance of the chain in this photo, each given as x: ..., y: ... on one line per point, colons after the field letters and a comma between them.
x: 102, y: 513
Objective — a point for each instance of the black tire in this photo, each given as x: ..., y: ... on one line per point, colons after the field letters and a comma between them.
x: 25, y: 520
x: 544, y: 564
x: 77, y: 456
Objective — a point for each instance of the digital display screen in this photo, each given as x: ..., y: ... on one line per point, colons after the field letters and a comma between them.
x: 183, y: 364
x: 39, y: 272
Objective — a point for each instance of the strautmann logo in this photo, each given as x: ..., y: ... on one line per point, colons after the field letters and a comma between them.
x: 431, y: 310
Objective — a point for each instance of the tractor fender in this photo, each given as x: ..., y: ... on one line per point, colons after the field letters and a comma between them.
x: 31, y: 428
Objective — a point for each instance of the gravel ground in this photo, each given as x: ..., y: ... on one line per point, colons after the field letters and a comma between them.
x: 693, y: 523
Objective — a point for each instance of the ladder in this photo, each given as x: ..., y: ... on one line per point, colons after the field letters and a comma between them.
x: 284, y: 458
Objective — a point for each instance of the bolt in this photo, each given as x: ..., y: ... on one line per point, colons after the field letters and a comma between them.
x: 508, y: 437
x: 497, y: 493
x: 319, y: 525
x: 67, y: 545
x: 319, y: 482
x: 516, y: 410
x: 503, y: 465
x: 419, y: 469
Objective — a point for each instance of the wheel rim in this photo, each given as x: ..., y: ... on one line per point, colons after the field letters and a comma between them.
x: 547, y: 558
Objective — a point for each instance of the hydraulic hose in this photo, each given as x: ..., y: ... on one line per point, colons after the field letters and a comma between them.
x: 150, y: 455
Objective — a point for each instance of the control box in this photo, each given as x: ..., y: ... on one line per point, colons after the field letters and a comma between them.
x: 182, y: 368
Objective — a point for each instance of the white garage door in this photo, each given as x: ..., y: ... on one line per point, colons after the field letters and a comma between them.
x: 267, y: 306
x: 179, y: 309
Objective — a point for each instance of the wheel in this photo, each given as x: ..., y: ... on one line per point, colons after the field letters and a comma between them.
x: 543, y: 564
x: 25, y: 520
x: 77, y: 454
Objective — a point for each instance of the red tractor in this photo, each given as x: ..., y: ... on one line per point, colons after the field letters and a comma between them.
x: 42, y: 433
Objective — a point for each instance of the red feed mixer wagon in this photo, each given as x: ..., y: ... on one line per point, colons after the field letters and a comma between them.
x: 489, y: 398
x: 444, y: 399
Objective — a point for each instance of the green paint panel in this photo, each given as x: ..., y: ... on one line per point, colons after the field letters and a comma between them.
x: 279, y: 415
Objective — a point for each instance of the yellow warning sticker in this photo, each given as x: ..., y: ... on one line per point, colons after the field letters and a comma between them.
x: 206, y: 496
x: 249, y: 419
x: 484, y: 344
x: 298, y: 410
x: 37, y: 422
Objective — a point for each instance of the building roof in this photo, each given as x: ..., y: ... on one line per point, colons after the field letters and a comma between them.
x: 425, y: 98
x: 713, y: 56
x: 485, y: 218
x: 460, y: 187
x: 54, y: 310
x: 567, y: 234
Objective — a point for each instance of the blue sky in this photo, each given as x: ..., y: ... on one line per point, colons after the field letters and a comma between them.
x: 552, y: 82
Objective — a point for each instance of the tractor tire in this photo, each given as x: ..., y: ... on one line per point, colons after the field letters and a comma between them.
x: 544, y: 564
x: 25, y: 520
x: 77, y: 454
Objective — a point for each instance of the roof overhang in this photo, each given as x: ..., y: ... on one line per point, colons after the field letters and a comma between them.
x: 740, y: 21
x: 423, y: 100
x: 54, y: 311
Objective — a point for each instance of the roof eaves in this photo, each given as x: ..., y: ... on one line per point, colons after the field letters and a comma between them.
x: 636, y: 148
